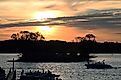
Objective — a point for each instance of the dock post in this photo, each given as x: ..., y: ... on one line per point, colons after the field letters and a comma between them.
x: 13, y: 65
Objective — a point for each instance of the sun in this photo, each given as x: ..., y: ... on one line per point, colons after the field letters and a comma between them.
x: 44, y: 15
x: 47, y: 31
x: 45, y: 28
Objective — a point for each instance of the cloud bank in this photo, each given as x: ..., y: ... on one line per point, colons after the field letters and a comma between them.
x: 110, y: 18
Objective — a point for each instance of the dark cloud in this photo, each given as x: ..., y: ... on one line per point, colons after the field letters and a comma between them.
x: 95, y: 20
x: 50, y: 6
x: 5, y: 18
x: 19, y: 24
x: 119, y: 33
x: 5, y: 0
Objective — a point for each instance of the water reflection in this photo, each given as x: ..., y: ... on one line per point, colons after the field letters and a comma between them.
x: 70, y: 71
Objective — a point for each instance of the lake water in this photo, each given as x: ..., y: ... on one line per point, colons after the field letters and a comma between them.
x: 70, y: 71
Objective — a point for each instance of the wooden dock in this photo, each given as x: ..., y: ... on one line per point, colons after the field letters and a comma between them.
x: 12, y: 73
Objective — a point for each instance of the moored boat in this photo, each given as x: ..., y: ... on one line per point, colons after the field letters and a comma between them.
x: 37, y: 75
x: 98, y: 65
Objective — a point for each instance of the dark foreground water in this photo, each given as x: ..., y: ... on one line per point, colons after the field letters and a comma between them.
x: 70, y: 71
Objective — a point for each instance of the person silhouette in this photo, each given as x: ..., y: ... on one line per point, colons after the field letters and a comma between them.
x: 103, y: 61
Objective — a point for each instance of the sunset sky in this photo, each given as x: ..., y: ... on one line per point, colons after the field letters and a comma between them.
x: 76, y: 18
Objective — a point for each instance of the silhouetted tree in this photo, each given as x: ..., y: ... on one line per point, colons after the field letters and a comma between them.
x: 15, y: 36
x: 32, y: 36
x: 90, y: 37
x: 79, y: 39
x: 39, y: 35
x: 82, y: 39
x: 26, y: 35
x: 42, y: 37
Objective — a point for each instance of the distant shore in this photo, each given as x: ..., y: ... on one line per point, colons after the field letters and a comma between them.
x: 57, y: 51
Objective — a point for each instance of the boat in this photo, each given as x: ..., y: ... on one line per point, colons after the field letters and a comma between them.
x: 38, y: 75
x: 98, y: 65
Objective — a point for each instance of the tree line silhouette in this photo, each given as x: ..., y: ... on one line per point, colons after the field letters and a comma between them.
x: 86, y: 38
x: 34, y: 36
x: 26, y: 35
x: 34, y: 47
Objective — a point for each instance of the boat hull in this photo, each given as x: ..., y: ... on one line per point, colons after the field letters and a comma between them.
x: 96, y: 66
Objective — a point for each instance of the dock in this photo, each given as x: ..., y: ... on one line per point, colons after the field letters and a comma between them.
x: 12, y: 73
